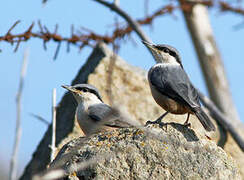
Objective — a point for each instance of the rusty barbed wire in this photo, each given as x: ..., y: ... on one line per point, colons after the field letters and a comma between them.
x: 81, y: 39
x: 87, y: 37
x: 223, y: 5
x: 227, y: 7
x: 187, y: 5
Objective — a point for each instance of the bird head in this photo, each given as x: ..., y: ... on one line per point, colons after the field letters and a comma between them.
x: 84, y: 92
x: 164, y: 53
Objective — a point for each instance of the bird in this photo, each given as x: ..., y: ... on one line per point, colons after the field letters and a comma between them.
x: 92, y: 114
x: 171, y: 87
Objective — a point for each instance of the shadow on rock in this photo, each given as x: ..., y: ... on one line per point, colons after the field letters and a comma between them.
x: 188, y: 133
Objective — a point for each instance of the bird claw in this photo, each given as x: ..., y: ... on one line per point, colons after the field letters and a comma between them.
x: 188, y: 125
x: 158, y: 121
x: 153, y: 122
x: 161, y: 124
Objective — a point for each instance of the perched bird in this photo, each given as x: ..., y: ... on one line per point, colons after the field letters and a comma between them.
x: 171, y: 87
x: 92, y: 114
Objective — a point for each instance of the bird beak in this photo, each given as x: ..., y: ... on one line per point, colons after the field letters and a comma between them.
x: 149, y: 45
x: 69, y: 88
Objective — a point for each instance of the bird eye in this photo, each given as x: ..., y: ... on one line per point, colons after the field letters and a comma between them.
x: 166, y: 50
x: 78, y: 88
x: 172, y: 54
x: 160, y: 48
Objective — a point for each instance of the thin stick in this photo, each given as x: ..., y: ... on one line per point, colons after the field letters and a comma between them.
x: 222, y: 119
x: 40, y: 118
x: 134, y: 24
x: 18, y: 130
x: 53, y: 147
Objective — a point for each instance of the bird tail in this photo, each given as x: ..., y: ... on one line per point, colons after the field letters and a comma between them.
x: 204, y: 119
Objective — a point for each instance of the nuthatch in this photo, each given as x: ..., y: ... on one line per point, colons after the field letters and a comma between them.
x: 92, y: 114
x: 171, y: 87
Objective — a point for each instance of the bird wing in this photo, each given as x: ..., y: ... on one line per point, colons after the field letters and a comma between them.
x: 173, y: 82
x: 104, y: 114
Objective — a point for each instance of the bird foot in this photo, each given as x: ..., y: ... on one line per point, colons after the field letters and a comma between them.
x: 154, y: 122
x: 157, y: 121
x: 188, y: 125
x: 161, y: 124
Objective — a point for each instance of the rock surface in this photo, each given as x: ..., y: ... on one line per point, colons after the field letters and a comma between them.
x: 130, y: 87
x: 168, y: 152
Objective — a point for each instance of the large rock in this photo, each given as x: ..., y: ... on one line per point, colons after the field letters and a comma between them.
x: 128, y: 87
x: 170, y: 152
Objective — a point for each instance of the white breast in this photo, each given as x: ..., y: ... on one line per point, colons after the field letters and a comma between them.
x: 85, y: 122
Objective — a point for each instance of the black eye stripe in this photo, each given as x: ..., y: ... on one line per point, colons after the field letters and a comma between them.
x: 160, y: 48
x: 82, y: 89
x: 172, y: 53
x: 79, y: 88
x: 164, y: 49
x: 87, y: 89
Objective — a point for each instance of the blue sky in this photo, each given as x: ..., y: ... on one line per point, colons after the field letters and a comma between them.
x: 44, y: 74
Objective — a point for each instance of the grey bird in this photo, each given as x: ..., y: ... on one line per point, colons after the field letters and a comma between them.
x: 171, y: 87
x: 92, y: 114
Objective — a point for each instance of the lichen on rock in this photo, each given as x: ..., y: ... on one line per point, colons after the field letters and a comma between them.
x: 170, y: 152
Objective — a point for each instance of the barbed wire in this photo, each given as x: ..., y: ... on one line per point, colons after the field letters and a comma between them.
x: 80, y: 39
x: 86, y: 37
x: 227, y: 7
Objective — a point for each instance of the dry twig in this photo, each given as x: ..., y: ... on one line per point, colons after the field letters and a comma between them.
x: 221, y: 118
x: 132, y: 23
x: 14, y: 157
x: 40, y: 118
x: 53, y: 147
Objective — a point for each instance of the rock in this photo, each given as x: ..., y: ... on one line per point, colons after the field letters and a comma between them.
x: 172, y: 152
x: 130, y: 87
x: 126, y: 87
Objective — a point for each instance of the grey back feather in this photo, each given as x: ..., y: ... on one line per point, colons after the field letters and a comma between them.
x: 106, y: 115
x: 173, y: 82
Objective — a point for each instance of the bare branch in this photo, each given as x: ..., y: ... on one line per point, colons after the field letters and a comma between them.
x: 53, y: 147
x: 222, y: 119
x: 18, y: 130
x: 40, y: 118
x: 134, y: 24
